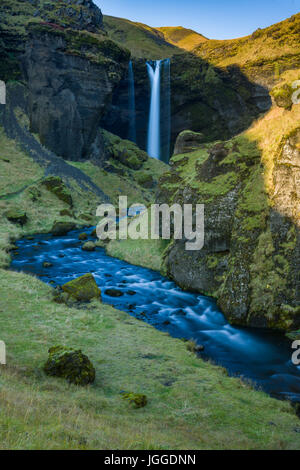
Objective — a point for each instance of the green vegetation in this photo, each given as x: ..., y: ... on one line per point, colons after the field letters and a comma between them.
x: 38, y: 412
x: 71, y: 365
x: 283, y: 96
x: 17, y: 170
x: 140, y: 39
x: 83, y: 288
x: 146, y: 253
x: 267, y: 52
x: 182, y: 37
x: 136, y: 399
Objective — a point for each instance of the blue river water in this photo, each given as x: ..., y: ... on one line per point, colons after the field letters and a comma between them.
x: 262, y: 356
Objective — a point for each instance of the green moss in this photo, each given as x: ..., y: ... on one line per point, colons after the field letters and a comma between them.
x: 71, y: 365
x: 83, y: 288
x: 219, y: 186
x: 266, y: 279
x: 56, y: 186
x: 212, y: 261
x: 138, y: 400
x: 62, y: 227
x: 16, y: 216
x: 145, y: 179
x: 283, y: 96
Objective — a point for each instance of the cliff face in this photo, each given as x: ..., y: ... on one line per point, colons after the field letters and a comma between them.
x: 16, y: 14
x: 71, y: 77
x: 250, y: 188
x: 218, y: 103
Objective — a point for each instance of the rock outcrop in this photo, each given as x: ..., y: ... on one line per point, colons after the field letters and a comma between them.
x: 252, y: 239
x: 71, y: 77
x: 16, y: 14
x: 83, y: 288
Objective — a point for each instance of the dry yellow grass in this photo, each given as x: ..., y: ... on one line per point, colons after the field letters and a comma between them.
x: 182, y: 37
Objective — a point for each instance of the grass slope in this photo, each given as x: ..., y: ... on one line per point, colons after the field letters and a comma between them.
x: 267, y: 51
x: 142, y: 40
x: 192, y: 404
x: 184, y: 38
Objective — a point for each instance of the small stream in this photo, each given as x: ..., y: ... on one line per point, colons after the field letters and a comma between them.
x: 262, y: 356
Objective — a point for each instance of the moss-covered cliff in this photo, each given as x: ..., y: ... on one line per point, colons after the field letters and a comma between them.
x: 250, y: 188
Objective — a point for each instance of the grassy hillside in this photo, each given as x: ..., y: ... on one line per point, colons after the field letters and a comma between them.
x: 142, y: 40
x: 266, y: 52
x: 182, y: 37
x: 22, y: 187
x: 192, y: 404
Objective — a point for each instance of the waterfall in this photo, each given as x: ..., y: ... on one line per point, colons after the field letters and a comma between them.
x: 166, y: 112
x: 131, y: 104
x: 153, y: 146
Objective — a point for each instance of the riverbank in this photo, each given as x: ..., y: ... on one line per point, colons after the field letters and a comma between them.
x: 192, y: 404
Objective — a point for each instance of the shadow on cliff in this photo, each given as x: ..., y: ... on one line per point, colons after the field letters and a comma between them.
x: 251, y: 254
x: 219, y: 103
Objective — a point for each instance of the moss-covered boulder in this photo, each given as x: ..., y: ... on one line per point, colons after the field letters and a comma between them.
x: 16, y: 216
x: 61, y: 228
x: 82, y: 236
x: 283, y: 96
x: 66, y: 213
x: 137, y: 400
x: 188, y: 141
x: 89, y: 246
x: 145, y: 179
x: 83, y: 288
x: 56, y: 186
x: 70, y: 364
x: 124, y: 151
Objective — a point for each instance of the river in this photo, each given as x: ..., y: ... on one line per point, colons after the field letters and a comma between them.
x: 262, y: 356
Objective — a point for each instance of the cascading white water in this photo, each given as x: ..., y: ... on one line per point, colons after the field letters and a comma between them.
x: 166, y: 112
x: 131, y: 104
x: 153, y: 146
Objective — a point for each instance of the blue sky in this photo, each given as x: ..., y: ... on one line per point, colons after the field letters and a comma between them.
x: 218, y: 19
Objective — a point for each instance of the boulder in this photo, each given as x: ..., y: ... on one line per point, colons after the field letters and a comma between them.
x: 138, y: 400
x: 46, y: 264
x: 283, y: 96
x: 145, y: 179
x: 56, y: 186
x: 83, y: 288
x: 61, y: 228
x: 130, y: 292
x: 83, y: 236
x: 66, y: 213
x: 188, y: 141
x: 70, y: 364
x: 89, y: 246
x: 114, y: 293
x: 16, y: 216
